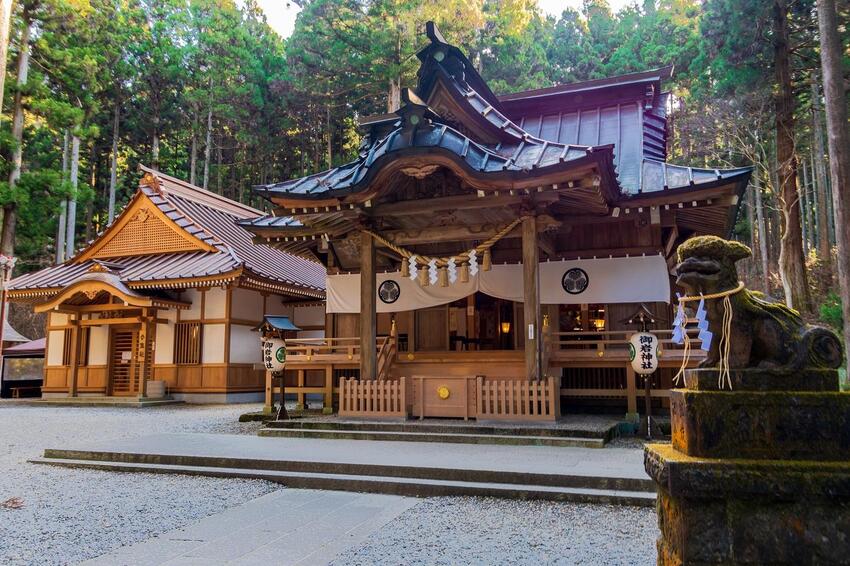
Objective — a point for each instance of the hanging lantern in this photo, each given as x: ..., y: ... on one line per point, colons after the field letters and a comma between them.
x: 643, y: 352
x: 274, y: 354
x: 487, y: 263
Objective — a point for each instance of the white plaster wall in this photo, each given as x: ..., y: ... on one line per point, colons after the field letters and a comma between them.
x: 55, y: 346
x: 310, y: 316
x: 98, y: 345
x: 167, y: 314
x: 194, y: 312
x: 215, y: 304
x: 247, y: 305
x: 164, y: 351
x: 58, y: 318
x: 213, y: 346
x: 244, y: 345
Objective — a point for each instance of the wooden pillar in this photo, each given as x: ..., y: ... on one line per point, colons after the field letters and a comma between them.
x: 368, y: 316
x: 145, y: 352
x: 300, y: 397
x: 531, y: 297
x: 75, y: 353
x: 631, y: 391
x: 328, y: 402
x: 267, y: 407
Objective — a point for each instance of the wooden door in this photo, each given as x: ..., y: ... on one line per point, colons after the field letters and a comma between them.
x: 122, y: 361
x: 432, y: 329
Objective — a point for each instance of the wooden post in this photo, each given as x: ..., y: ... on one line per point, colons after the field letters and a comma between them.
x: 75, y: 352
x: 300, y: 398
x: 531, y: 297
x: 631, y: 392
x: 328, y: 404
x: 267, y: 406
x: 368, y: 316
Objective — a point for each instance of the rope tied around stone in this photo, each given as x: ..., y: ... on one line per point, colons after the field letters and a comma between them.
x: 723, y: 378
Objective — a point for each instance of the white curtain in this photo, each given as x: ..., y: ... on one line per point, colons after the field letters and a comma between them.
x: 609, y: 280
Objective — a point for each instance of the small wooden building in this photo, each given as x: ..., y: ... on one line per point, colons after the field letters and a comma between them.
x: 171, y: 291
x: 484, y: 251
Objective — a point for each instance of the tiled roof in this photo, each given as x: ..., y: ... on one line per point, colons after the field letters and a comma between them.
x: 213, y: 220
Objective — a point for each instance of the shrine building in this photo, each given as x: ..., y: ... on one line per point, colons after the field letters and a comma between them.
x: 169, y: 293
x: 487, y: 255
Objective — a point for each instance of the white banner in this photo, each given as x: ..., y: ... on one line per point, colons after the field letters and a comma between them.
x: 609, y: 280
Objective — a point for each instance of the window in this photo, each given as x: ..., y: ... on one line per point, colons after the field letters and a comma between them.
x: 83, y: 353
x: 187, y: 343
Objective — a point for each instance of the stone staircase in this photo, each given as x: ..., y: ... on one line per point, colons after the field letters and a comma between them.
x: 467, y: 432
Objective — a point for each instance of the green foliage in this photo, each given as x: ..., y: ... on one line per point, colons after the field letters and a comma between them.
x: 830, y: 312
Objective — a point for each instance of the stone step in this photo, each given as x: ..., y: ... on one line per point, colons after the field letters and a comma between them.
x: 469, y: 438
x: 606, y: 432
x: 379, y: 484
x: 458, y: 474
x: 135, y: 402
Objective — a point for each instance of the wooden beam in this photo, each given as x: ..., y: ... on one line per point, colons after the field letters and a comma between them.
x: 368, y: 312
x: 460, y: 202
x: 108, y: 321
x: 438, y: 234
x: 75, y: 354
x: 531, y: 297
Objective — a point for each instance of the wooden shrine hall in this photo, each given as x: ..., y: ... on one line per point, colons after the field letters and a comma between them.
x: 167, y: 298
x: 494, y: 248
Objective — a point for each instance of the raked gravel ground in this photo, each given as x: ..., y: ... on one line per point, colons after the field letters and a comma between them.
x: 69, y: 515
x: 482, y: 531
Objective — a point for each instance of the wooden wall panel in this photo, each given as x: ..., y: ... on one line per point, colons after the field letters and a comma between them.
x: 55, y: 378
x: 244, y: 377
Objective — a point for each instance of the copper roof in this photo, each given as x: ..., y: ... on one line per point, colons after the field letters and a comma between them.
x: 211, y: 219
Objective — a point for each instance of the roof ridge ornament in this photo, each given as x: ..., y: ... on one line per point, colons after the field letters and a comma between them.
x: 414, y: 112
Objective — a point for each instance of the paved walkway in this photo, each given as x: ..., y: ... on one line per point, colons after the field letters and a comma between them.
x: 606, y: 462
x: 287, y: 527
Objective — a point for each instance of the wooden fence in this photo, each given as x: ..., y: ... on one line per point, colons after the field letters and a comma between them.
x: 372, y: 398
x: 521, y: 400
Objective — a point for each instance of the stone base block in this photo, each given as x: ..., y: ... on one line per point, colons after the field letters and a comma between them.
x: 725, y: 512
x: 800, y: 425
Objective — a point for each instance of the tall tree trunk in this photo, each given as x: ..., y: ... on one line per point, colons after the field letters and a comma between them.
x: 71, y: 230
x: 762, y: 226
x: 5, y: 21
x: 330, y: 136
x: 819, y: 159
x: 193, y: 157
x: 63, y: 207
x: 805, y: 207
x: 791, y: 260
x: 839, y: 147
x: 7, y: 241
x: 218, y: 169
x: 113, y: 172
x: 208, y: 148
x: 88, y: 224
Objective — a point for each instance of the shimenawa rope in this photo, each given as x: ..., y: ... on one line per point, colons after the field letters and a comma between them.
x: 723, y: 378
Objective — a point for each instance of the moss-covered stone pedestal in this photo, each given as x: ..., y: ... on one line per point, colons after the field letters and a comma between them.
x: 756, y: 475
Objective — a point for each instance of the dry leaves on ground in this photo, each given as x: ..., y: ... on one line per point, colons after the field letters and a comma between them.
x: 12, y: 503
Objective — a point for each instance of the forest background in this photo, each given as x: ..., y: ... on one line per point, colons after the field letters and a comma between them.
x: 206, y: 91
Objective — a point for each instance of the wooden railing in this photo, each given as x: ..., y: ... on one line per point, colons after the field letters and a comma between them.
x: 372, y: 398
x: 515, y: 399
x: 601, y: 344
x: 327, y: 349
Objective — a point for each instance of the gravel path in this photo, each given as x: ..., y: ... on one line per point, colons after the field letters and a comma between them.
x: 70, y: 515
x: 471, y: 530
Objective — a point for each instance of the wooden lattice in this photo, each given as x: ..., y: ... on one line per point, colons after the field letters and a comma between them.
x: 145, y: 234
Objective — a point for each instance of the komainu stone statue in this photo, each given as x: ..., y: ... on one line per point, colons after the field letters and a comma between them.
x: 758, y: 467
x: 763, y: 334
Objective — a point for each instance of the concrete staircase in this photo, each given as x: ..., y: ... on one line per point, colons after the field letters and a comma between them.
x: 429, y: 431
x: 373, y: 477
